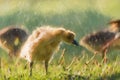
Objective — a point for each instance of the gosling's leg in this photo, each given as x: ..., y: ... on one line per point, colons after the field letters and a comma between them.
x: 104, y: 56
x: 30, y: 68
x: 46, y: 67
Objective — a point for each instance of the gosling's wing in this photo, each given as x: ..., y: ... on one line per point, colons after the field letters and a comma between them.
x: 32, y: 41
x: 35, y: 39
x: 114, y: 43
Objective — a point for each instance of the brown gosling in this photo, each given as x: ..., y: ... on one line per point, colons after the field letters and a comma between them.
x: 12, y: 38
x: 100, y: 41
x: 43, y: 42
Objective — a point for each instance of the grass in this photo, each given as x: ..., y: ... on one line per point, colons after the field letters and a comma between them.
x: 80, y: 16
x: 75, y: 69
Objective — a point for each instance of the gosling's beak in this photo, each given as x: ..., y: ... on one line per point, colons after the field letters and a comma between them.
x: 75, y: 43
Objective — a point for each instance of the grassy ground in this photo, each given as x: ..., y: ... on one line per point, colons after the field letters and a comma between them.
x: 80, y: 16
x: 61, y: 69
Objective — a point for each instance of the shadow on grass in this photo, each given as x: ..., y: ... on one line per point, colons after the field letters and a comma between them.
x: 115, y: 76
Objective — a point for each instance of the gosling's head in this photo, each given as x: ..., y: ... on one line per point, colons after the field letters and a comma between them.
x: 115, y: 25
x: 67, y: 36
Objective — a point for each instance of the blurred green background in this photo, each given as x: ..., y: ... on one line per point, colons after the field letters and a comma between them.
x: 80, y: 16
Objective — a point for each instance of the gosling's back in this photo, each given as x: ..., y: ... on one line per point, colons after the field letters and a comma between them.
x: 12, y: 38
x: 96, y: 41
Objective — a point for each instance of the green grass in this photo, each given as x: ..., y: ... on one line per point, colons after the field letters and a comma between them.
x: 82, y: 17
x: 75, y: 69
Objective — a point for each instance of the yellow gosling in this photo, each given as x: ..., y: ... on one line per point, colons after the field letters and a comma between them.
x: 43, y: 42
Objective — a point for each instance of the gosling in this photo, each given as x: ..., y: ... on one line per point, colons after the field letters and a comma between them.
x: 43, y: 42
x: 100, y: 41
x: 12, y: 38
